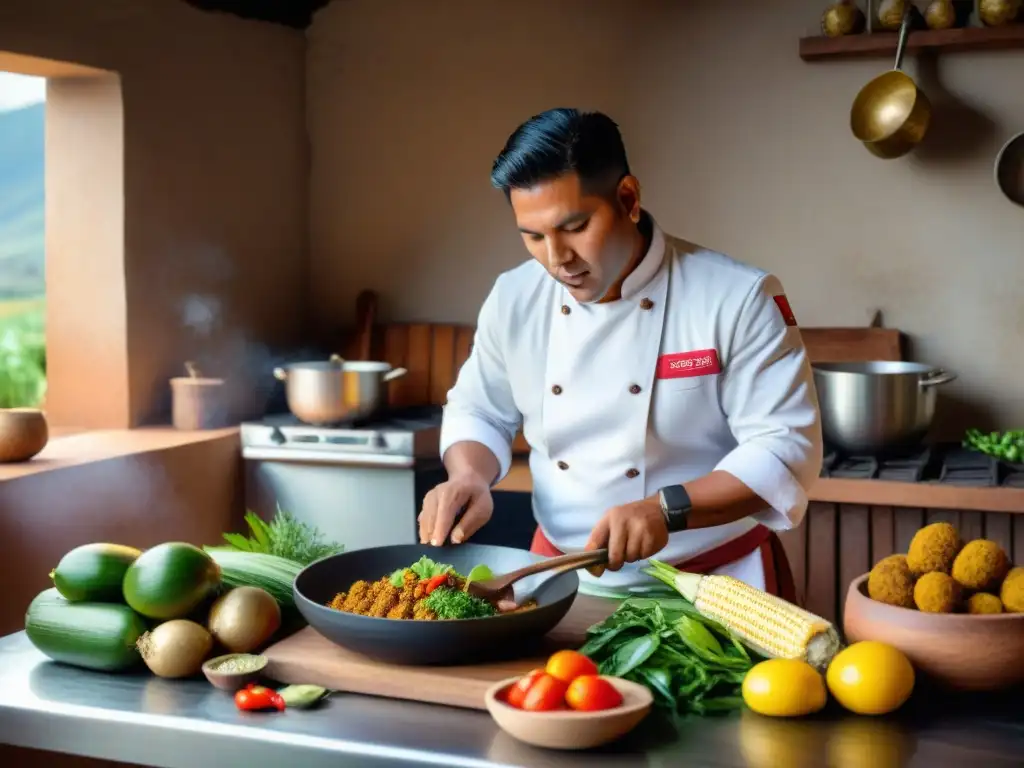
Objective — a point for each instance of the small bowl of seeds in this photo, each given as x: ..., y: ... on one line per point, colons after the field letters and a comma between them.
x: 234, y: 671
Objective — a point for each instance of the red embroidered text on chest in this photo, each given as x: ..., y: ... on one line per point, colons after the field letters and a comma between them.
x: 787, y: 311
x: 682, y: 365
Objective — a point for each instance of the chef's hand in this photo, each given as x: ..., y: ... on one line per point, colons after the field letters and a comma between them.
x: 631, y: 532
x: 442, y: 504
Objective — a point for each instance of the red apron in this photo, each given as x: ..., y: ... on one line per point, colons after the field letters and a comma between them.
x: 777, y: 576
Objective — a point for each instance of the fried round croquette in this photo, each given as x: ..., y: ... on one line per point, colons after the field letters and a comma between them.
x: 981, y: 565
x: 933, y: 548
x: 936, y: 592
x: 1012, y: 591
x: 983, y: 602
x: 891, y: 581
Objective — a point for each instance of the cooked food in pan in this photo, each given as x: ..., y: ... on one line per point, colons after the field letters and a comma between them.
x: 425, y: 591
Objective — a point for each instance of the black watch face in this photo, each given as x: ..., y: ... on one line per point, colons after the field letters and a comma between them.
x: 676, y: 498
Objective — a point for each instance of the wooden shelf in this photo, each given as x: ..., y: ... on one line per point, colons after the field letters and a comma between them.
x: 881, y: 44
x: 884, y: 493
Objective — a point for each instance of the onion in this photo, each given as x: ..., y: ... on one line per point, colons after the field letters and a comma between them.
x: 175, y: 648
x: 244, y: 619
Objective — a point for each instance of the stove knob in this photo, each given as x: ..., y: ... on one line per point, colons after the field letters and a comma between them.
x: 277, y: 436
x: 378, y: 441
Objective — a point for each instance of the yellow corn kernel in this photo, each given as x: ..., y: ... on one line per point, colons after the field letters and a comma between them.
x: 770, y: 625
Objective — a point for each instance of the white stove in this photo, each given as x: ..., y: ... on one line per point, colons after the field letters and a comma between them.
x: 362, y: 484
x: 398, y: 438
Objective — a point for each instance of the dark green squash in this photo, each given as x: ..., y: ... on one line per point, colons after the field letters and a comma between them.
x: 99, y: 636
x: 170, y: 580
x: 94, y: 572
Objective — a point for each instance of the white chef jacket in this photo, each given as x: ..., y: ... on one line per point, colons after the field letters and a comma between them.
x: 699, y: 367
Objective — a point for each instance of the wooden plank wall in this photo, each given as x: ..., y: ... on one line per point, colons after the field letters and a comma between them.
x: 839, y: 542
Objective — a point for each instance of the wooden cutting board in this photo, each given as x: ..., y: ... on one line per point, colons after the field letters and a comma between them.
x: 309, y: 657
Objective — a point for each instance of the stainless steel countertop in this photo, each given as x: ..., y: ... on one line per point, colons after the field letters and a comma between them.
x: 141, y: 719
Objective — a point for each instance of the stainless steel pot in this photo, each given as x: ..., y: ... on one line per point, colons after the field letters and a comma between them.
x: 335, y: 390
x: 874, y: 408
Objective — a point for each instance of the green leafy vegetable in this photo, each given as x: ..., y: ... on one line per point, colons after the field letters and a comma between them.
x: 424, y: 568
x: 692, y: 665
x: 450, y: 603
x: 1008, y: 446
x: 283, y: 537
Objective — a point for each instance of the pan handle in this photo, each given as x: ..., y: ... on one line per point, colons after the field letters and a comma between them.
x: 901, y: 46
x: 935, y: 378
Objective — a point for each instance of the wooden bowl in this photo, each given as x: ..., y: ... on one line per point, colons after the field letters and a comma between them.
x: 567, y: 729
x: 960, y: 651
x: 23, y: 434
x: 232, y: 681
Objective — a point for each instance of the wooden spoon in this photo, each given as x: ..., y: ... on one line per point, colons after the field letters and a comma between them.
x: 499, y: 590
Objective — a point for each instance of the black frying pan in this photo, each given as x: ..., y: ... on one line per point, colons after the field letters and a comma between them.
x: 432, y: 642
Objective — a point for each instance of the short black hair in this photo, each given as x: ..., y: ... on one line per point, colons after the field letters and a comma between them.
x: 561, y: 141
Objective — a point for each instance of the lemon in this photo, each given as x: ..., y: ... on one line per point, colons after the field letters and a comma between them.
x: 870, y: 678
x: 784, y: 688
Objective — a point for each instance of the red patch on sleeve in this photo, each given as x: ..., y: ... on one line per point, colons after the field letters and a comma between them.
x: 683, y: 365
x: 787, y: 312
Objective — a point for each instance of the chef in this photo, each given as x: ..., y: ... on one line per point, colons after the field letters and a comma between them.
x: 663, y: 388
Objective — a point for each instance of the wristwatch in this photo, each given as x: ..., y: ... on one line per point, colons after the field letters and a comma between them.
x: 675, y: 505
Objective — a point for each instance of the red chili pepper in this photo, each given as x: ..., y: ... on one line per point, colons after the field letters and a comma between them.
x: 434, y: 582
x: 257, y: 697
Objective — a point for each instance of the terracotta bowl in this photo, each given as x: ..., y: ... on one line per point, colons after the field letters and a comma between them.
x: 960, y: 651
x: 567, y: 729
x: 23, y: 434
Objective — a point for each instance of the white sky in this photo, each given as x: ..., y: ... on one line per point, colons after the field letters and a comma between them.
x: 20, y: 90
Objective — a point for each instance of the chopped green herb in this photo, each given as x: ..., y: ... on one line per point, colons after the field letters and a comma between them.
x: 450, y: 603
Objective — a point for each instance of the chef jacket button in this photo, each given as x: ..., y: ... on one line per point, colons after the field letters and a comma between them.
x: 565, y: 309
x: 632, y: 472
x: 646, y: 304
x: 634, y: 389
x: 562, y: 465
x: 556, y: 390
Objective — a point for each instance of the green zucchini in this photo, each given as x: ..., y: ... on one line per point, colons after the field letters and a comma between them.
x: 98, y: 636
x: 93, y: 572
x: 169, y: 580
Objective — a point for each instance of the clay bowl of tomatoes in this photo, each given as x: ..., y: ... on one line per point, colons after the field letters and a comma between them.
x: 567, y: 704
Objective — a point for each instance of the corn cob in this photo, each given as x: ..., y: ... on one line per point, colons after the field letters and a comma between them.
x: 771, y: 626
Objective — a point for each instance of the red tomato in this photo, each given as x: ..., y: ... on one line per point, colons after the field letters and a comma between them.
x: 591, y: 693
x: 568, y: 665
x: 546, y: 693
x: 515, y: 695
